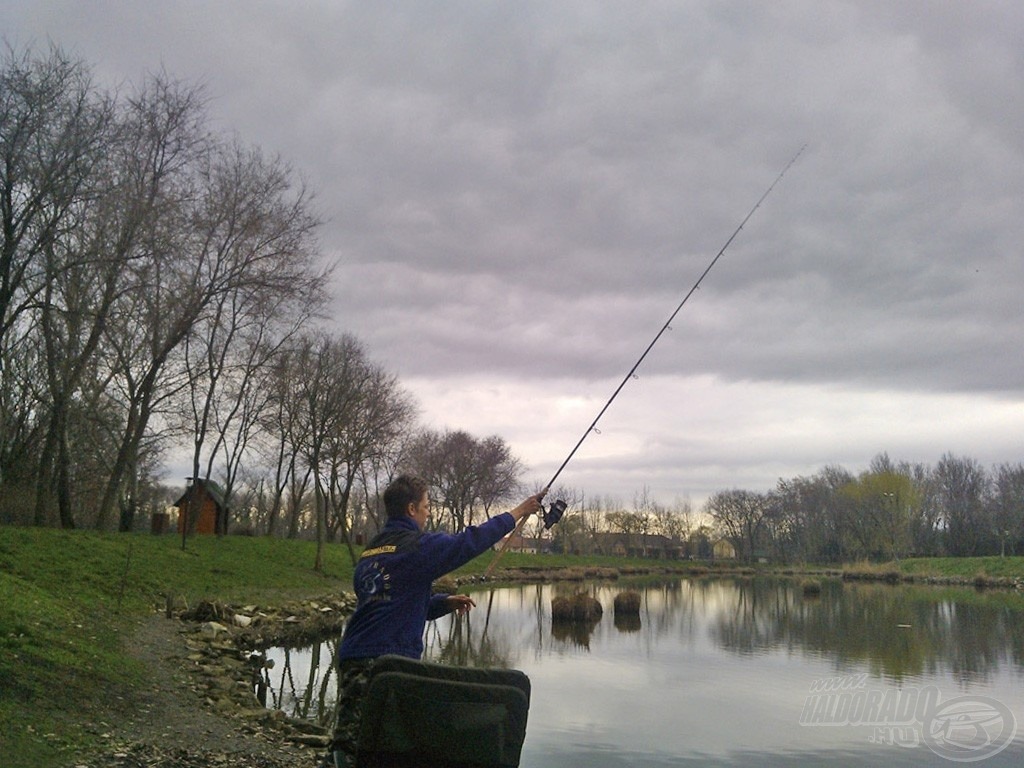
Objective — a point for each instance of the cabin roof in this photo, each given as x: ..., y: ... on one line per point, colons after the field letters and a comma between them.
x: 212, y: 489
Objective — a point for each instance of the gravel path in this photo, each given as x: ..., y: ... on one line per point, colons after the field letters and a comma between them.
x: 172, y: 726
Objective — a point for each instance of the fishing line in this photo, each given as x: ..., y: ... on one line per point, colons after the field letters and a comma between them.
x: 553, y: 514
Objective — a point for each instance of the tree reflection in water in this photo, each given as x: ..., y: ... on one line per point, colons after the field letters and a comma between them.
x: 899, y: 632
x: 574, y: 631
x: 301, y: 682
x: 627, y: 622
x: 456, y: 644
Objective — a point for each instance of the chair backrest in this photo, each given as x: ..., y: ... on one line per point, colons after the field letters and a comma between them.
x: 432, y: 715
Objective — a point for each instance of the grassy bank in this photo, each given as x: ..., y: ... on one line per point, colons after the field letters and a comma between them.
x: 68, y: 600
x: 980, y: 571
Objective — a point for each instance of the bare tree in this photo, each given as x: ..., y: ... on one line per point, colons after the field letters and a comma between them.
x: 500, y: 471
x: 283, y: 433
x: 257, y: 217
x: 163, y: 143
x: 55, y: 139
x: 926, y: 517
x: 378, y: 472
x: 233, y: 227
x: 466, y: 474
x: 574, y: 532
x: 352, y: 410
x: 1006, y: 501
x: 675, y: 522
x: 592, y: 512
x: 20, y: 428
x: 325, y: 364
x: 130, y: 231
x: 741, y: 517
x: 961, y: 484
x: 446, y: 462
x: 377, y: 416
x: 645, y: 511
x: 632, y: 525
x: 52, y: 133
x: 808, y: 506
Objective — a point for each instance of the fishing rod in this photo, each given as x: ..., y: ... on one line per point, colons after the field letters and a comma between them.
x: 553, y: 514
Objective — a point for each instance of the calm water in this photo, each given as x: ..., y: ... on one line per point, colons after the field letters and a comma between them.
x: 744, y: 672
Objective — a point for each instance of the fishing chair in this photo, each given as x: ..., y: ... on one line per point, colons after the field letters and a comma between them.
x: 435, y: 716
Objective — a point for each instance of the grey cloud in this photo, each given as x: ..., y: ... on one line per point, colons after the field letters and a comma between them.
x: 530, y: 188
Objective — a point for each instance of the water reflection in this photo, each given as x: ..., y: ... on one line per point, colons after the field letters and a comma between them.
x: 898, y: 633
x: 301, y: 682
x: 710, y: 668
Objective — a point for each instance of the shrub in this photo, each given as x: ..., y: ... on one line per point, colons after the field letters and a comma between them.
x: 627, y: 603
x: 579, y: 607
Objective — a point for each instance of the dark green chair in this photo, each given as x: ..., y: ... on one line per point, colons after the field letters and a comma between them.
x: 435, y: 716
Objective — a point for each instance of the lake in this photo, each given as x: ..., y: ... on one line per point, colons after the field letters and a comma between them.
x: 737, y: 672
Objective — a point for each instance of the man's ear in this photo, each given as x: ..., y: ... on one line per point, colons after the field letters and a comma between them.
x: 410, y: 510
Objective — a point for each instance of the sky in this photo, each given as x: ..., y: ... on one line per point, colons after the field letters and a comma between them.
x: 517, y: 195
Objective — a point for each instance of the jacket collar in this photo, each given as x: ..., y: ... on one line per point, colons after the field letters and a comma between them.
x: 403, y: 523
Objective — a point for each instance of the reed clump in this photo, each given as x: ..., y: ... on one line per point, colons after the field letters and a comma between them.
x: 577, y: 607
x: 811, y: 587
x: 890, y: 573
x: 983, y: 581
x: 627, y: 604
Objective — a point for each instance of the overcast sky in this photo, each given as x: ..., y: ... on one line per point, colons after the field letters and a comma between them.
x: 519, y: 194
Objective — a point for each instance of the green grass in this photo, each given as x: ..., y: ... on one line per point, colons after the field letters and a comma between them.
x: 979, y: 569
x: 68, y: 600
x: 965, y: 567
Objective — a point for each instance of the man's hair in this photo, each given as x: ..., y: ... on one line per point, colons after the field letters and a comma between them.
x: 403, y: 491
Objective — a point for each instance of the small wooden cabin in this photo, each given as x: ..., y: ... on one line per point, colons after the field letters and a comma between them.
x: 208, y: 498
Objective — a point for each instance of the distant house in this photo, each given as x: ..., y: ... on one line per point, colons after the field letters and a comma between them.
x: 520, y: 543
x: 208, y: 498
x: 638, y: 545
x: 698, y: 547
x: 723, y: 550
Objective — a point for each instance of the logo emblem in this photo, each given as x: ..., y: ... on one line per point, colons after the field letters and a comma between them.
x: 969, y: 728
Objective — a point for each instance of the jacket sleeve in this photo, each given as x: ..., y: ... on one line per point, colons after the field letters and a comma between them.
x: 437, y: 607
x: 444, y: 552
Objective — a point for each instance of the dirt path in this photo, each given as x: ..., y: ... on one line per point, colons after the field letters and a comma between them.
x: 170, y: 725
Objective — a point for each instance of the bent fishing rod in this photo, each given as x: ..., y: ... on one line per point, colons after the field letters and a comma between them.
x: 553, y: 514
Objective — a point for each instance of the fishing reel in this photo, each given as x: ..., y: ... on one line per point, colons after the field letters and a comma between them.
x: 552, y: 514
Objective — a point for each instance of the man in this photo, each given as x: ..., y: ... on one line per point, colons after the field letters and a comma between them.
x: 393, y: 581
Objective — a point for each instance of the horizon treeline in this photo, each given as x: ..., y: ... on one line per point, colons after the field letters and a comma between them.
x: 891, y: 510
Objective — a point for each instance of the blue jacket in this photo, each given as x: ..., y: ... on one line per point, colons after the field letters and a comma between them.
x: 393, y: 581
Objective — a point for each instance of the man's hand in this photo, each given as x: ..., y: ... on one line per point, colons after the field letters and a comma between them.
x: 528, y: 507
x: 459, y: 603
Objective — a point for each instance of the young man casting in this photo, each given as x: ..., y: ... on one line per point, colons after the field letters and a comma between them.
x: 393, y: 581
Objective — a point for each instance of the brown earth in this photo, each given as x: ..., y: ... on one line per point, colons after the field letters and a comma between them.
x: 197, y: 708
